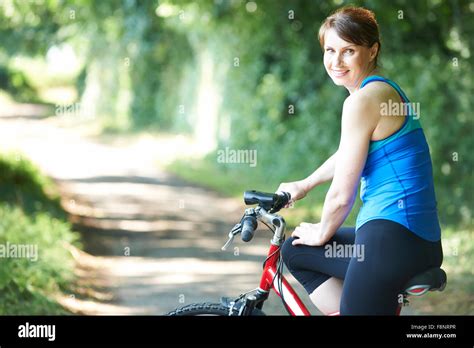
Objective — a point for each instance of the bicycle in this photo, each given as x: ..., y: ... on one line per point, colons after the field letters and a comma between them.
x: 251, y: 302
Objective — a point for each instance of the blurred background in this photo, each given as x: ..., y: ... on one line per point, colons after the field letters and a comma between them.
x: 114, y: 115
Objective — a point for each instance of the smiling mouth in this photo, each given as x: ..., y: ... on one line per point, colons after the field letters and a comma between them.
x: 339, y: 73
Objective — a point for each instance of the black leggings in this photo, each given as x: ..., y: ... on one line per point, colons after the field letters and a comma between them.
x: 375, y: 263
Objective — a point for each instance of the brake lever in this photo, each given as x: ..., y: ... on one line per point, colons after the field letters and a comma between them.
x: 235, y: 231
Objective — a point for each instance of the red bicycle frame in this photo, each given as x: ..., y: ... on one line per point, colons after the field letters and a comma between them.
x: 270, y: 279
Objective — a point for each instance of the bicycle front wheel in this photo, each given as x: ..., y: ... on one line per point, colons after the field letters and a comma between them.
x: 208, y: 308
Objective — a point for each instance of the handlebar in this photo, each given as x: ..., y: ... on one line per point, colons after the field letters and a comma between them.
x: 272, y: 202
x: 268, y: 205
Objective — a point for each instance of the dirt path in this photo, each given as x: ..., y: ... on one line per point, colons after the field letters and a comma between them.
x: 152, y: 241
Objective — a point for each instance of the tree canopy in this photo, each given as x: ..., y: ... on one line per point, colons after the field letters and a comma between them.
x: 249, y: 74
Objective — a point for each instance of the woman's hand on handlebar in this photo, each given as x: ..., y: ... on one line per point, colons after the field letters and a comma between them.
x: 297, y: 190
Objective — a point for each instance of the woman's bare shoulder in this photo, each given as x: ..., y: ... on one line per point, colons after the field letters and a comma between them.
x: 376, y: 91
x: 371, y: 97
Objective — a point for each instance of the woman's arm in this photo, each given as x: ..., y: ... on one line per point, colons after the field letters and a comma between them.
x: 299, y: 189
x: 359, y: 118
x: 324, y: 173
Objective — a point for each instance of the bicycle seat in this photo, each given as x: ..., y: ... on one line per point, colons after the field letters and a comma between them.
x: 433, y: 279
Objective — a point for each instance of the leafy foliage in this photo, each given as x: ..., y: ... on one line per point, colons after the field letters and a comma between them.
x: 23, y: 185
x: 273, y: 93
x: 27, y: 285
x: 30, y: 218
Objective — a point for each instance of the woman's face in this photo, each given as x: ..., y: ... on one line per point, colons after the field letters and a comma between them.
x: 346, y: 63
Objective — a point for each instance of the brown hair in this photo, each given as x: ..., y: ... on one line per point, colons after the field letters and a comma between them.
x: 353, y: 24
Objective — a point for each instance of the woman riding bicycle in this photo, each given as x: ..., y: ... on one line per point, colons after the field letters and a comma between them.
x: 397, y: 227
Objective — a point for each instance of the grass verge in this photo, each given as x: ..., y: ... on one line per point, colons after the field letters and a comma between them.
x: 35, y: 264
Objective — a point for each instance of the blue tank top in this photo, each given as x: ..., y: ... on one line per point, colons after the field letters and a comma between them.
x: 397, y: 180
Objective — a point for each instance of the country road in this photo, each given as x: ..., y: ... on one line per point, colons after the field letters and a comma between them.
x: 152, y: 241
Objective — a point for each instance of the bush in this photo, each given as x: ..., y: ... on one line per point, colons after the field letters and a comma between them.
x: 28, y: 283
x: 23, y: 185
x: 31, y: 219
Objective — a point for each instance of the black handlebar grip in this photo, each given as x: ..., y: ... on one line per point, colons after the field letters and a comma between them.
x: 249, y: 225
